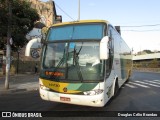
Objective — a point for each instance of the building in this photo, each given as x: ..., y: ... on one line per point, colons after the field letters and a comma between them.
x: 48, y: 15
x: 146, y: 57
x: 47, y: 11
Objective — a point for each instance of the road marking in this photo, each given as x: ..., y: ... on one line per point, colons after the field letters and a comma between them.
x: 157, y: 80
x: 147, y: 83
x: 152, y: 81
x: 131, y: 86
x: 139, y: 85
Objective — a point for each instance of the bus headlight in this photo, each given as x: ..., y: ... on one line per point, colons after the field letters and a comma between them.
x: 44, y: 88
x: 93, y: 92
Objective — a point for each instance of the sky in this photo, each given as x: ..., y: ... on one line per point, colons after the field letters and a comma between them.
x: 139, y: 19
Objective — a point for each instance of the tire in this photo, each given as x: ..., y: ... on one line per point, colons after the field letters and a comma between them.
x: 128, y: 77
x: 129, y: 74
x: 116, y: 89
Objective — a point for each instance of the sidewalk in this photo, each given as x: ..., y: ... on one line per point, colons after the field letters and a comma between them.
x: 20, y: 82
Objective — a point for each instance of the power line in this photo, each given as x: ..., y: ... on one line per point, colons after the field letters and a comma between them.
x: 143, y: 25
x: 64, y: 12
x: 142, y: 30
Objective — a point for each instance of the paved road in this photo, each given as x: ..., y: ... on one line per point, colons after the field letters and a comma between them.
x: 141, y: 93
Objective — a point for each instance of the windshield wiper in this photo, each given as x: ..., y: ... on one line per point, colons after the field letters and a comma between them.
x: 58, y: 65
x: 75, y: 58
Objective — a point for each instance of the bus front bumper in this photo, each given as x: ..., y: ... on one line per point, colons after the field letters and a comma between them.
x: 86, y: 100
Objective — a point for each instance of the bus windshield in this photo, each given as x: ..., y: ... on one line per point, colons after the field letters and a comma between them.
x: 75, y: 61
x: 76, y: 32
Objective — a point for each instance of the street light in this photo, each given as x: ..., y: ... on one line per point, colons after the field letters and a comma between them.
x: 78, y: 10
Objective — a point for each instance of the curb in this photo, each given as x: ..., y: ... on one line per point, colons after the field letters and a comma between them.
x: 152, y: 70
x: 23, y: 87
x: 19, y: 75
x: 147, y: 71
x: 20, y: 83
x: 10, y: 91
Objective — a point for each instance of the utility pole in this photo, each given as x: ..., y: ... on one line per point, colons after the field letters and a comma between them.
x: 8, y: 47
x: 79, y: 10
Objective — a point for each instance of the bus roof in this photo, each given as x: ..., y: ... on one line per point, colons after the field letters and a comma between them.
x: 81, y: 21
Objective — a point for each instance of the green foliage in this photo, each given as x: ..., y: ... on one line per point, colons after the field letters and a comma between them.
x: 23, y: 19
x: 155, y: 63
x: 148, y: 51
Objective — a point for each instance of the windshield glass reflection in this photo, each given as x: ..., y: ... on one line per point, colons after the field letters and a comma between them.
x: 77, y: 61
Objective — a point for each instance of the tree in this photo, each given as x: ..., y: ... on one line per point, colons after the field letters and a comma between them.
x: 148, y: 51
x: 17, y: 19
x: 23, y: 19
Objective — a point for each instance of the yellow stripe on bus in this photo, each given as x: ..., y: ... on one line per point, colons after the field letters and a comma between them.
x: 58, y: 86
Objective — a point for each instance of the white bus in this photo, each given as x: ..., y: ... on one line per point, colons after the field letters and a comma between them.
x: 84, y: 63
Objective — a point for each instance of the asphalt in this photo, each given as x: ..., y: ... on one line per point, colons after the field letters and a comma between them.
x: 19, y: 83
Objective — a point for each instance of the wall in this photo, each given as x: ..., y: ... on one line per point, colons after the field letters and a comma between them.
x: 45, y: 10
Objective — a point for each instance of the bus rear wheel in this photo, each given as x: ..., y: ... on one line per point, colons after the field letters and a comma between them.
x: 116, y: 89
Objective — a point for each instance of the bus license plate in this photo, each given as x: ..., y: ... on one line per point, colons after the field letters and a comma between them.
x: 65, y: 99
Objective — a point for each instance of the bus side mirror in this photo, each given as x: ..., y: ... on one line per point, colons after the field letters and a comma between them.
x: 104, y: 51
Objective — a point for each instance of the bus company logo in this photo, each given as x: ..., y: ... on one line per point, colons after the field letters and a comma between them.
x: 54, y: 85
x: 65, y: 89
x: 6, y: 114
x: 35, y: 53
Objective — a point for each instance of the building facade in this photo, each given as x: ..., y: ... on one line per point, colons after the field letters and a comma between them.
x: 47, y: 12
x: 48, y: 15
